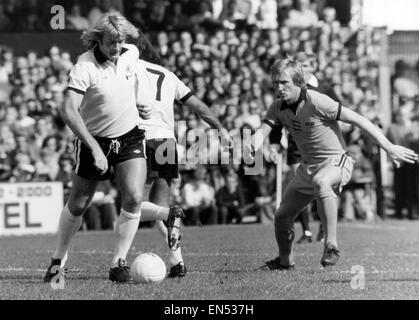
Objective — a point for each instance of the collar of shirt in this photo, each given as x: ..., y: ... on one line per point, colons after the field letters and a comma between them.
x: 293, y: 106
x: 101, y: 58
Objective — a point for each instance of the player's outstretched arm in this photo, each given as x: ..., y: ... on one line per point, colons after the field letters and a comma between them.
x: 71, y: 116
x: 202, y: 110
x: 396, y: 153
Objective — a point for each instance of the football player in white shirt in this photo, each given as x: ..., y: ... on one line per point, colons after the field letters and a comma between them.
x: 101, y: 110
x: 158, y: 89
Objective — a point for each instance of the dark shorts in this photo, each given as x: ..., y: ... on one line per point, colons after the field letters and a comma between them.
x: 126, y: 147
x: 162, y: 159
x: 293, y: 155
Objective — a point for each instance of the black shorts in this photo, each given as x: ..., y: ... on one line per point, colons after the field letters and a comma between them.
x: 126, y: 147
x: 162, y: 159
x: 293, y: 155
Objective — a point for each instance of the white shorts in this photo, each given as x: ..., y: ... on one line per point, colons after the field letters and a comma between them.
x: 303, y: 180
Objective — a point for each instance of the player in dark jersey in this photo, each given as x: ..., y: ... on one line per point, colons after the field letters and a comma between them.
x: 312, y: 118
x: 293, y: 155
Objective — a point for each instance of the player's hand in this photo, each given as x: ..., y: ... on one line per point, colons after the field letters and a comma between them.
x: 100, y: 160
x: 145, y: 111
x: 401, y: 154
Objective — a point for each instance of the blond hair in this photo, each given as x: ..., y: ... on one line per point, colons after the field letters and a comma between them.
x: 294, y: 68
x: 113, y: 23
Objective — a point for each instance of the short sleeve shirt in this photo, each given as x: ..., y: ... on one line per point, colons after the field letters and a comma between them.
x: 313, y: 126
x: 108, y: 108
x: 159, y: 88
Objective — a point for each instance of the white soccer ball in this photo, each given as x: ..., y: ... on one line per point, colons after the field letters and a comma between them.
x: 148, y: 268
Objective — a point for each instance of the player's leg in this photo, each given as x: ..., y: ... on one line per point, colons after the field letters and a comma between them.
x: 70, y: 220
x: 85, y: 181
x: 158, y: 207
x: 292, y: 203
x: 130, y: 177
x: 160, y: 195
x: 153, y: 212
x: 321, y: 232
x: 172, y: 218
x: 323, y: 225
x: 303, y: 216
x: 325, y: 181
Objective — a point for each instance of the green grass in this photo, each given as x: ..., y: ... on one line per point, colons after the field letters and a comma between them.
x: 222, y: 264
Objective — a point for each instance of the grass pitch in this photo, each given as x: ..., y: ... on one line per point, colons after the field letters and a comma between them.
x: 223, y: 263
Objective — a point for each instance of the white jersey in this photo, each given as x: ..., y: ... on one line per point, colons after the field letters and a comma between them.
x: 158, y: 88
x: 108, y: 108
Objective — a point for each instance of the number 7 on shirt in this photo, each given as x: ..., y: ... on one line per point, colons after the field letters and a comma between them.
x: 159, y: 81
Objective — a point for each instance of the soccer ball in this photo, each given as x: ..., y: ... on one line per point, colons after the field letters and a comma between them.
x: 148, y: 268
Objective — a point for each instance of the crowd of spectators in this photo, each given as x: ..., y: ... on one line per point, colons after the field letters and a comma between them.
x: 223, y: 51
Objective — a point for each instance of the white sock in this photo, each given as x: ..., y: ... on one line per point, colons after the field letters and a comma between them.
x: 152, y: 212
x: 126, y: 228
x: 64, y: 260
x: 68, y: 227
x: 174, y: 256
